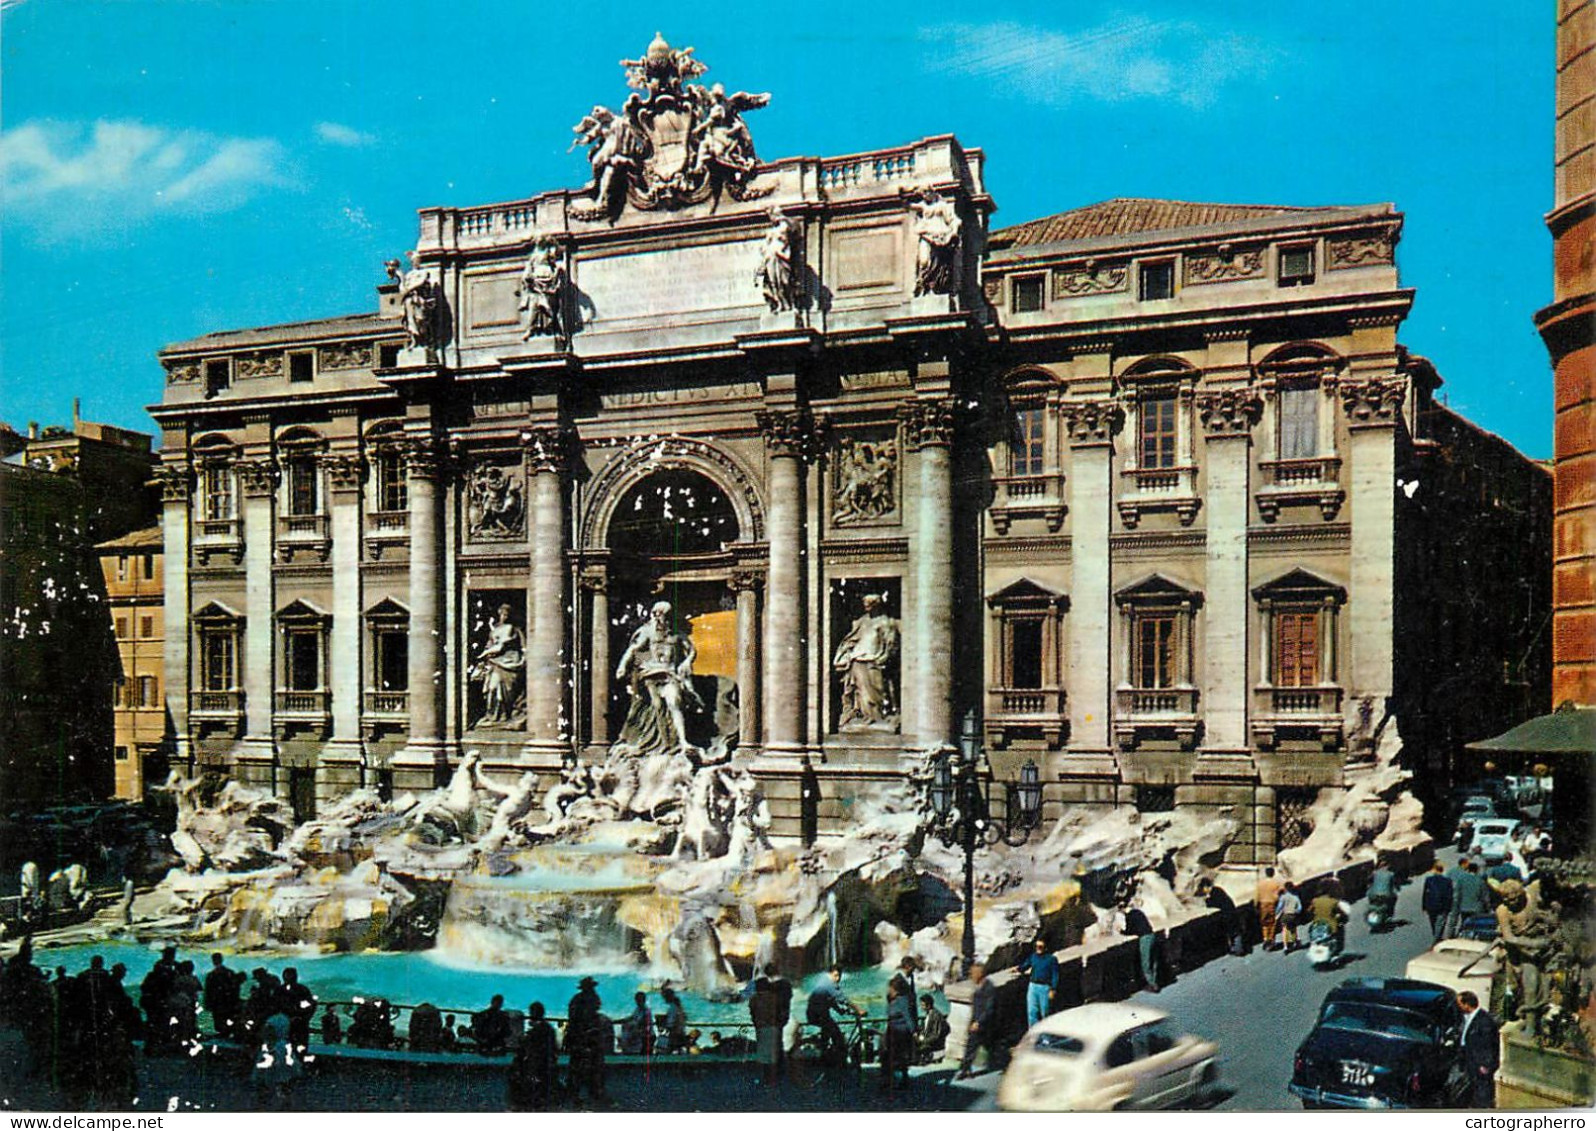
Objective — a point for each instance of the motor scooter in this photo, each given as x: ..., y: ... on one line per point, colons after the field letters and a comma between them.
x: 1324, y: 943
x: 1381, y: 908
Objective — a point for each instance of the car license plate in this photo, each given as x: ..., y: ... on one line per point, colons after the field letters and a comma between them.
x: 1356, y: 1073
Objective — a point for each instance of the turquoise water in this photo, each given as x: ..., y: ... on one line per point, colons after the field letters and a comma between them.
x: 413, y: 977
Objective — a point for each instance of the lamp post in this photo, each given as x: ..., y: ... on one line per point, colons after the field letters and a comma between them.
x: 962, y: 816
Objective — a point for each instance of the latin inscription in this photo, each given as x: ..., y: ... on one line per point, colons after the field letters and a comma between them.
x: 683, y: 280
x: 640, y: 398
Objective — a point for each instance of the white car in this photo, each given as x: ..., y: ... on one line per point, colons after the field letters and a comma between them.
x: 1494, y: 838
x: 1459, y: 964
x: 1106, y: 1056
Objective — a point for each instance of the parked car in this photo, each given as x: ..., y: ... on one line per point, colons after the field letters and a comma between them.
x: 1477, y: 808
x: 1459, y: 964
x: 1382, y: 1043
x: 1106, y: 1056
x: 1495, y: 838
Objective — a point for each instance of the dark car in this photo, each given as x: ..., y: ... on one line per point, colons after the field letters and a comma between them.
x: 1383, y: 1043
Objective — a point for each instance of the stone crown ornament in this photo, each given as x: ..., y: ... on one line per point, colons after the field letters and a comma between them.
x: 674, y: 143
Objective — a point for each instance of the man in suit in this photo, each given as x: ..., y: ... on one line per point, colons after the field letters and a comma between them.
x: 1470, y: 896
x: 982, y: 1032
x: 1481, y: 1050
x: 1437, y: 900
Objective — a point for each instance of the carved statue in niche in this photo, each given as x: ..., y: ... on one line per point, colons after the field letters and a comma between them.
x: 867, y: 660
x: 542, y: 290
x: 867, y: 473
x: 494, y: 504
x: 937, y: 226
x: 500, y: 667
x: 657, y: 667
x: 418, y: 301
x: 778, y: 275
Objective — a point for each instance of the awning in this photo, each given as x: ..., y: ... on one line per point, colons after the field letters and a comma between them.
x: 1569, y: 730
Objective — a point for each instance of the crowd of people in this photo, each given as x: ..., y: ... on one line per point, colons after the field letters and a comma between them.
x: 83, y: 1030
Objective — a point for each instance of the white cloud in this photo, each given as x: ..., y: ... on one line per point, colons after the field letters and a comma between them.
x: 336, y: 133
x: 1125, y: 58
x: 72, y: 177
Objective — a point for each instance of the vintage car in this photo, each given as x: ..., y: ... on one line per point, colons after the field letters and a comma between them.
x: 1382, y: 1043
x: 1458, y: 964
x: 1106, y: 1056
x: 1495, y: 838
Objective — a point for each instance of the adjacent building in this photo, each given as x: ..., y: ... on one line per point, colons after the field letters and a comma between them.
x: 61, y: 492
x: 1148, y: 490
x: 134, y: 587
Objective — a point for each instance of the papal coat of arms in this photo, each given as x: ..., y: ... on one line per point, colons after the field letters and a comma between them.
x: 673, y: 144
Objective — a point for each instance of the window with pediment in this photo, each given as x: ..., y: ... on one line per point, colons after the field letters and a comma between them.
x: 219, y: 630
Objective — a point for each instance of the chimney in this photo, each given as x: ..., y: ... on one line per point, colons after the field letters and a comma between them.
x: 33, y: 429
x: 77, y: 406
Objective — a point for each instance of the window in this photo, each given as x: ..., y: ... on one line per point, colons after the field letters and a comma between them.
x: 1296, y: 266
x: 1299, y: 421
x: 1121, y: 1052
x: 1155, y: 799
x: 392, y: 492
x: 121, y: 753
x: 148, y: 565
x: 1156, y: 280
x: 1153, y: 644
x: 1296, y: 649
x: 121, y: 567
x: 146, y: 627
x: 302, y: 659
x: 1025, y: 294
x: 1026, y: 444
x: 388, y: 355
x: 217, y: 648
x: 218, y: 375
x: 301, y: 486
x: 121, y: 628
x: 217, y: 487
x: 301, y: 367
x: 392, y: 659
x: 1157, y: 427
x: 149, y: 692
x: 1025, y: 653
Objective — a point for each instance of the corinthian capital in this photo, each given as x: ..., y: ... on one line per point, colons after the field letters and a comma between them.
x: 791, y: 432
x: 547, y: 448
x: 927, y: 423
x: 1374, y: 401
x: 174, y: 480
x: 1229, y: 412
x: 256, y: 477
x: 424, y: 459
x: 1092, y: 423
x: 343, y: 471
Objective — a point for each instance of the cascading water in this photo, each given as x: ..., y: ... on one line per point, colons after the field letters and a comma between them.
x: 831, y: 929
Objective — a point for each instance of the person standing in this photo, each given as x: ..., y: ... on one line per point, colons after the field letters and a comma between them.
x: 1470, y: 897
x: 585, y: 1044
x: 1480, y: 1040
x: 769, y: 1009
x: 535, y: 1065
x: 1268, y: 895
x: 1043, y: 987
x: 906, y: 970
x: 982, y: 1031
x: 637, y: 1029
x: 1149, y: 947
x: 300, y: 1005
x: 1218, y: 899
x: 1288, y: 915
x: 222, y: 997
x: 899, y: 1052
x: 673, y: 1023
x: 1436, y: 900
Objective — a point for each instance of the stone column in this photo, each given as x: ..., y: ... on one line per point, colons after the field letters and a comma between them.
x: 547, y: 738
x: 745, y: 583
x: 786, y: 434
x: 1090, y: 426
x: 258, y: 480
x: 1373, y: 407
x: 1227, y: 417
x: 596, y: 585
x: 176, y: 489
x: 928, y: 432
x: 424, y: 749
x: 340, y: 759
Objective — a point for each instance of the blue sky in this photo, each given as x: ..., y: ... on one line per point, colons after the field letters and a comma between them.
x: 172, y: 168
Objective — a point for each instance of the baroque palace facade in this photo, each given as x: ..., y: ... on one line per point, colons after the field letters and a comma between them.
x: 1125, y: 485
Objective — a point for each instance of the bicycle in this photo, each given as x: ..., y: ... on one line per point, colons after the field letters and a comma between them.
x: 809, y: 1065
